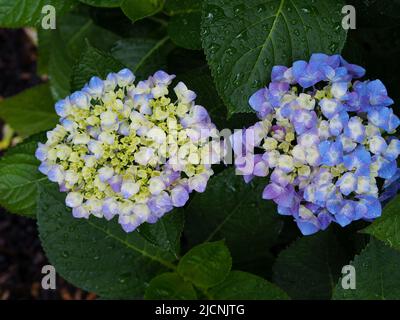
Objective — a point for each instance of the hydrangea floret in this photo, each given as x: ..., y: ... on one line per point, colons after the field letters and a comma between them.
x: 129, y: 150
x: 326, y: 142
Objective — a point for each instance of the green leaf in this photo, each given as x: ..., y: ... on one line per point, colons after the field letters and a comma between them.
x: 386, y: 228
x: 22, y: 13
x: 59, y: 66
x: 206, y: 265
x: 246, y: 286
x: 60, y: 49
x: 170, y: 286
x: 31, y: 111
x: 20, y: 179
x: 139, y: 9
x: 142, y: 56
x: 234, y: 211
x: 93, y: 62
x: 184, y: 25
x: 377, y: 274
x: 94, y: 254
x: 103, y: 3
x: 310, y: 267
x: 166, y: 233
x: 243, y: 40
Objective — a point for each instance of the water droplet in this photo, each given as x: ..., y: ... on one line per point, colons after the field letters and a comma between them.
x: 210, y: 16
x: 260, y: 8
x: 305, y: 10
x: 231, y: 51
x: 237, y: 79
x: 239, y: 36
x: 96, y: 258
x: 333, y: 47
x: 296, y: 32
x: 123, y: 277
x: 237, y: 10
x: 256, y: 83
x: 214, y: 48
x: 266, y: 62
x: 65, y: 254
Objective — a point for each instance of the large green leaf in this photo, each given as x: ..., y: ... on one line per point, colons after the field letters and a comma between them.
x: 103, y: 3
x: 166, y: 233
x: 234, y: 211
x: 20, y: 179
x: 93, y: 62
x: 22, y: 13
x: 310, y: 267
x: 60, y: 49
x: 139, y: 9
x: 95, y: 254
x: 387, y: 227
x: 243, y: 40
x: 377, y: 274
x: 184, y: 25
x: 170, y: 286
x: 246, y: 286
x: 31, y: 111
x: 59, y: 67
x: 143, y: 56
x: 206, y: 265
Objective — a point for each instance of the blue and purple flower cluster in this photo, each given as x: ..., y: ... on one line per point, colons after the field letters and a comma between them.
x: 126, y: 149
x: 326, y: 143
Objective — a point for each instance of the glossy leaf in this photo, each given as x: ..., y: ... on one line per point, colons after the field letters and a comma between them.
x: 387, y: 227
x: 246, y: 286
x: 243, y: 40
x: 232, y: 210
x: 143, y: 56
x: 170, y: 286
x: 206, y: 265
x: 310, y: 267
x: 20, y: 179
x: 184, y: 25
x: 96, y: 255
x: 23, y: 13
x: 139, y: 9
x: 103, y: 3
x: 166, y: 233
x: 30, y: 111
x: 377, y: 274
x: 93, y: 62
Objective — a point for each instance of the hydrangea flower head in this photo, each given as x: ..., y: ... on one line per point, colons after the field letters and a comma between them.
x: 127, y: 149
x: 326, y: 141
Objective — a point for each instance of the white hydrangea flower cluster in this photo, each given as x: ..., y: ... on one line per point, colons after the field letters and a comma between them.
x: 127, y: 150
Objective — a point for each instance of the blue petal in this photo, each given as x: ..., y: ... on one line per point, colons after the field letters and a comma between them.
x: 308, y: 227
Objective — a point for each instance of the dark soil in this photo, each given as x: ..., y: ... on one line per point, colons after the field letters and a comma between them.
x: 21, y: 255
